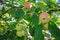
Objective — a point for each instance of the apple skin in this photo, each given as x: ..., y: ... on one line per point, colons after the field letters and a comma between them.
x: 44, y: 17
x: 27, y: 5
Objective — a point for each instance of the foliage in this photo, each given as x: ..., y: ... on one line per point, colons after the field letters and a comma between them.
x: 15, y: 18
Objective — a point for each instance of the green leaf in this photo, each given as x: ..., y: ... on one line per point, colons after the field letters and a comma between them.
x: 19, y: 13
x: 42, y: 5
x: 38, y: 33
x: 54, y: 30
x: 12, y: 12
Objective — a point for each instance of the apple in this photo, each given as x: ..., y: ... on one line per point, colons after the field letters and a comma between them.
x: 44, y: 17
x: 27, y: 5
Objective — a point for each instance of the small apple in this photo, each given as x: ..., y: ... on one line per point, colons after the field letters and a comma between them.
x: 27, y: 5
x: 44, y: 17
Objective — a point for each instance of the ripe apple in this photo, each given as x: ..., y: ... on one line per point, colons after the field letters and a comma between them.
x: 27, y: 5
x: 44, y: 17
